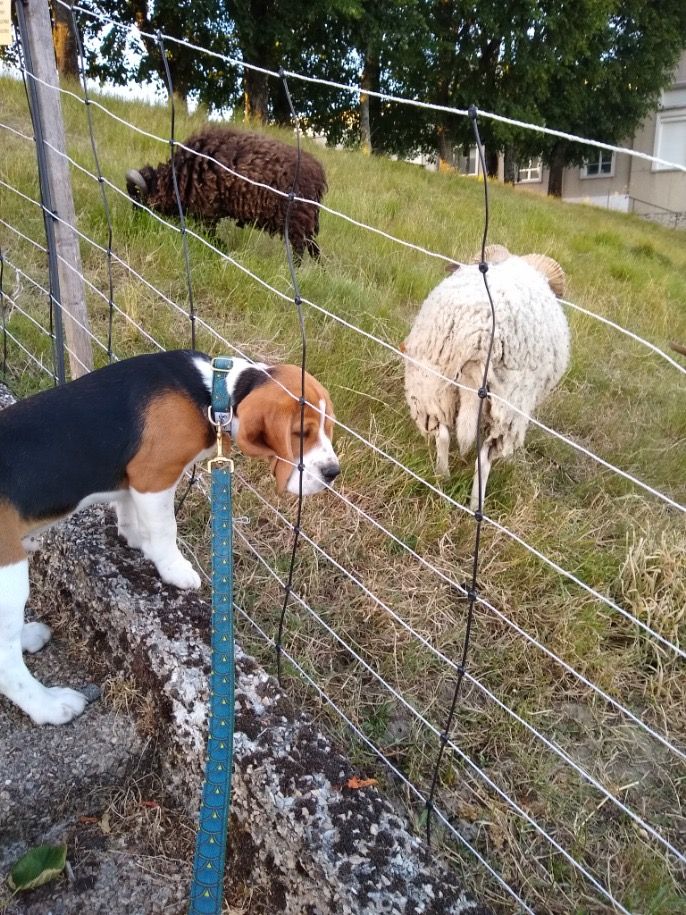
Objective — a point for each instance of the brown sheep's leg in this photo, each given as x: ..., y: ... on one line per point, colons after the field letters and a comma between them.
x: 298, y: 250
x: 313, y: 248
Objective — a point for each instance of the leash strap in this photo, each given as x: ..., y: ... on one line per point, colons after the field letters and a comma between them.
x: 207, y: 888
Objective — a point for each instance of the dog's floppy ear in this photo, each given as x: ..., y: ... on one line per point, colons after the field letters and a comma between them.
x: 264, y: 430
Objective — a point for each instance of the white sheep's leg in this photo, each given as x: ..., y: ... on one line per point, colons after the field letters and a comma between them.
x: 44, y: 705
x: 442, y: 450
x: 128, y: 527
x: 157, y: 526
x: 485, y: 470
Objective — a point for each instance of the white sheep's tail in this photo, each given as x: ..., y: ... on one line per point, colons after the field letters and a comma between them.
x: 468, y: 413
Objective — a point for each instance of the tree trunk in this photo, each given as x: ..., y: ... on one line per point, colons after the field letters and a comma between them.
x: 510, y: 166
x: 180, y: 101
x: 370, y: 108
x: 491, y: 157
x: 281, y: 110
x: 446, y: 150
x: 64, y: 39
x: 256, y: 93
x: 365, y: 127
x: 557, y: 165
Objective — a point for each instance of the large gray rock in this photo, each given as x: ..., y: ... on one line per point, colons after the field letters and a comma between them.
x: 306, y: 843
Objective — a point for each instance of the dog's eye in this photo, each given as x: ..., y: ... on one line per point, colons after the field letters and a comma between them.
x: 308, y: 431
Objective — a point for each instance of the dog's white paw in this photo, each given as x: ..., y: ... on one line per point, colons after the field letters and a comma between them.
x: 57, y: 705
x: 32, y: 542
x: 34, y: 636
x: 180, y: 573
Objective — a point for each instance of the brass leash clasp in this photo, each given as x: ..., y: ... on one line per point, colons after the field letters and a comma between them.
x: 221, y: 423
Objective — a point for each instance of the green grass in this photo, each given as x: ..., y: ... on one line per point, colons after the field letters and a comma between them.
x: 617, y: 399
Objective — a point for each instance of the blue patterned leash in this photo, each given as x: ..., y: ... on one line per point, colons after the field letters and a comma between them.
x: 207, y: 888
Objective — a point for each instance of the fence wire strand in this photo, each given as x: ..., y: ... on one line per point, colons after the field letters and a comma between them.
x: 386, y: 97
x: 473, y: 590
x: 100, y: 178
x: 604, y: 599
x: 393, y: 238
x: 297, y: 300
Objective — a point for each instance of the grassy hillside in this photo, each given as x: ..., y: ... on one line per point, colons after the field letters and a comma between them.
x: 617, y: 399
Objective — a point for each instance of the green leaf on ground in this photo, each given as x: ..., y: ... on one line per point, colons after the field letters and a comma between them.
x: 38, y: 866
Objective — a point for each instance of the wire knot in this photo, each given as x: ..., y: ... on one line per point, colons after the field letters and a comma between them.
x: 483, y: 267
x: 298, y: 301
x: 478, y: 516
x: 300, y: 466
x: 482, y: 392
x: 472, y: 111
x: 472, y: 595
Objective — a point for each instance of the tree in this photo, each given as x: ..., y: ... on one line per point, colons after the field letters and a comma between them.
x: 200, y: 22
x: 603, y: 87
x: 64, y: 39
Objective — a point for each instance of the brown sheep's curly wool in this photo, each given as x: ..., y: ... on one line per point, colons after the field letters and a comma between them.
x: 210, y: 193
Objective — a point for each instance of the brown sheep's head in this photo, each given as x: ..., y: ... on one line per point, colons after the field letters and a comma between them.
x: 141, y: 184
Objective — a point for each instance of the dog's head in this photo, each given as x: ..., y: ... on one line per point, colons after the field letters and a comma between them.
x: 268, y: 421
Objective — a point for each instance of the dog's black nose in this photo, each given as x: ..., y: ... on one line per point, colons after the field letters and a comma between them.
x: 330, y: 472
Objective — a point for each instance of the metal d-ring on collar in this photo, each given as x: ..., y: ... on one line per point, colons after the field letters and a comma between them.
x: 220, y: 411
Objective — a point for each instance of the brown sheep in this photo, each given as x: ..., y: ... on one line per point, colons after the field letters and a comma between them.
x: 210, y: 193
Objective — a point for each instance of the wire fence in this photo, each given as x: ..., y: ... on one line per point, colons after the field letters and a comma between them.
x: 539, y: 726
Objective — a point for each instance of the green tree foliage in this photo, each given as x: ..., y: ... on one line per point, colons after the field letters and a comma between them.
x: 589, y: 67
x: 606, y: 80
x: 200, y: 22
x: 594, y: 68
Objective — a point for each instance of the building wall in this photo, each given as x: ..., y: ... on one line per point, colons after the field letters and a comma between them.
x: 650, y: 185
x: 636, y: 185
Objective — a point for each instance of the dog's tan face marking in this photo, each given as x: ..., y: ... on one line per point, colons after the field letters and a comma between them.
x: 164, y: 453
x: 269, y: 421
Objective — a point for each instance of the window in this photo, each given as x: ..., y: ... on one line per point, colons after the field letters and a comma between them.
x: 532, y: 170
x: 601, y: 166
x: 670, y: 140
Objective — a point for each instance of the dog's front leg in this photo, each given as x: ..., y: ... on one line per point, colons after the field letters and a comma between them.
x: 44, y: 705
x: 157, y: 526
x: 128, y: 526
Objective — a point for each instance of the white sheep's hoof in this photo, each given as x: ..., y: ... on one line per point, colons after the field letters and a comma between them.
x: 58, y: 705
x: 34, y: 636
x: 180, y: 573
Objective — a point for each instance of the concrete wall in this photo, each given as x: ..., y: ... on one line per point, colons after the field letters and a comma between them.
x: 298, y: 833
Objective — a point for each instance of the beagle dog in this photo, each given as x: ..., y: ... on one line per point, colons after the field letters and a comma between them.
x: 124, y: 434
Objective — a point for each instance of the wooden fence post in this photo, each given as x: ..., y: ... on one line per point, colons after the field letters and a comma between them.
x: 63, y: 243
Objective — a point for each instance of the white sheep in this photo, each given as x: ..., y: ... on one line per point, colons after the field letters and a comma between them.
x: 451, y: 334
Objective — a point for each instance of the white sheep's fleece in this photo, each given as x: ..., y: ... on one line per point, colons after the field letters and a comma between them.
x: 451, y: 334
